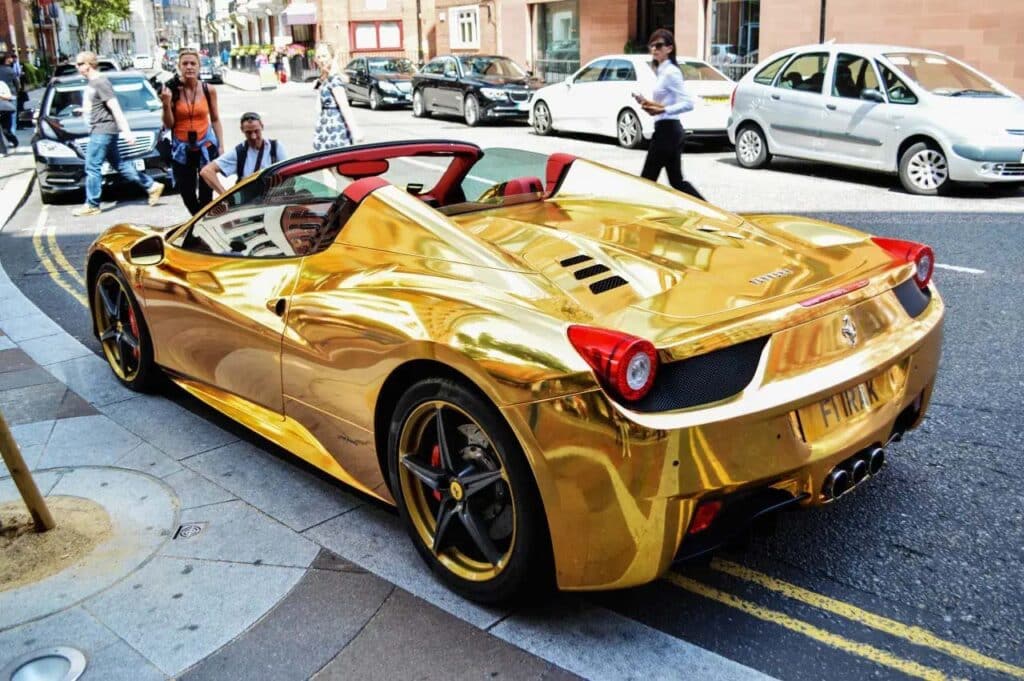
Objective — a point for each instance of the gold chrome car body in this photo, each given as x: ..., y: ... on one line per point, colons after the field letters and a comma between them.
x: 313, y: 351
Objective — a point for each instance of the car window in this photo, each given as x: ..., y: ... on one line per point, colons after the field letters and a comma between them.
x: 500, y: 67
x: 805, y: 73
x: 698, y: 70
x: 390, y: 65
x: 896, y: 89
x: 502, y: 176
x: 132, y: 95
x: 942, y: 75
x: 619, y: 70
x: 450, y: 69
x: 853, y: 74
x: 767, y: 74
x: 591, y: 73
x: 435, y: 68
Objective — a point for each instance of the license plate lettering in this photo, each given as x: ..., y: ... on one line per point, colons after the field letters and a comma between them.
x: 848, y: 406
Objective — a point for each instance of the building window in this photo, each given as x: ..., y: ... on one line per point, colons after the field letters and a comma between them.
x: 376, y: 35
x: 735, y: 35
x: 557, y: 26
x: 464, y: 27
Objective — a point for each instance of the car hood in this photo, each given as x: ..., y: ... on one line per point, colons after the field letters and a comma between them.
x: 617, y: 260
x: 997, y: 114
x: 393, y: 77
x: 498, y: 81
x: 67, y: 128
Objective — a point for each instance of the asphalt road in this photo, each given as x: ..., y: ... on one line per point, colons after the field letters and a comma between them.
x: 918, y: 573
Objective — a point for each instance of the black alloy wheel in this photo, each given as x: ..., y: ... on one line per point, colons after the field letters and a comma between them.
x: 122, y: 330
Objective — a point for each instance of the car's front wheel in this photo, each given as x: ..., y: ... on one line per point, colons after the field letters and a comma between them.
x: 924, y: 169
x: 419, y: 107
x: 122, y: 330
x: 471, y: 110
x: 541, y: 118
x: 466, y: 493
x: 752, y: 147
x: 628, y: 128
x: 375, y: 99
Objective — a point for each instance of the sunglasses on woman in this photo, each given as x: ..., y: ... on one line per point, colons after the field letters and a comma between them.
x: 657, y: 46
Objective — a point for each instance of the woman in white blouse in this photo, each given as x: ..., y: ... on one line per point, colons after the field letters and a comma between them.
x: 671, y: 100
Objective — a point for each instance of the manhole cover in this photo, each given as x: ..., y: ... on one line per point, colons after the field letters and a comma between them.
x: 52, y: 664
x: 190, y: 530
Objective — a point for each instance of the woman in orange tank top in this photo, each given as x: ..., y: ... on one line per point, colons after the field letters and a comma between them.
x: 192, y: 116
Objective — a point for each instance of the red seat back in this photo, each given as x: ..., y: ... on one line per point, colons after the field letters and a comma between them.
x: 558, y: 166
x: 522, y: 185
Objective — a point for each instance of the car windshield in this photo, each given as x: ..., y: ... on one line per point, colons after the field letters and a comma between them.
x: 492, y: 66
x: 698, y: 70
x: 390, y: 65
x: 205, y: 61
x: 132, y: 94
x: 942, y: 76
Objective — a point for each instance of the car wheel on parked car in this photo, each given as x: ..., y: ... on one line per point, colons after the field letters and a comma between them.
x: 465, y: 493
x: 752, y: 147
x: 471, y: 110
x: 924, y: 169
x: 122, y: 330
x: 375, y: 99
x: 419, y: 107
x: 541, y: 118
x: 630, y: 134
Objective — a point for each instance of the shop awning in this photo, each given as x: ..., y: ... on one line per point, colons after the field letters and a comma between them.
x: 300, y: 13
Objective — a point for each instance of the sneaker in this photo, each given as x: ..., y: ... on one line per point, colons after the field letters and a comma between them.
x: 154, y: 192
x: 86, y: 211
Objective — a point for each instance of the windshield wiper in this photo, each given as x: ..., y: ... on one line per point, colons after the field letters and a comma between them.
x: 970, y: 91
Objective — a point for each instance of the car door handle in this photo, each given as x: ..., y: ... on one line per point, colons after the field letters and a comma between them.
x: 774, y: 96
x: 277, y: 306
x: 830, y: 107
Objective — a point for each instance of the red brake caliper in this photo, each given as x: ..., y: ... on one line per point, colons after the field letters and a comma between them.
x: 435, y: 461
x: 135, y: 329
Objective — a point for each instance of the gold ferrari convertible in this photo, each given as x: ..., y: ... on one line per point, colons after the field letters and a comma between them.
x: 561, y: 374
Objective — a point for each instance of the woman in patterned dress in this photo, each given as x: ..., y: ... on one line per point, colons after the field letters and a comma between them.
x: 335, y: 126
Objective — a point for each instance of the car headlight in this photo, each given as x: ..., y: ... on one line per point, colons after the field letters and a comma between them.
x: 387, y: 86
x: 494, y: 93
x: 52, y: 149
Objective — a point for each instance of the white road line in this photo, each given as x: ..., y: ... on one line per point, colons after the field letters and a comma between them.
x: 958, y: 268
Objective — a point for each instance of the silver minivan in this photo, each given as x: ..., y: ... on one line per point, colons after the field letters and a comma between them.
x: 921, y: 114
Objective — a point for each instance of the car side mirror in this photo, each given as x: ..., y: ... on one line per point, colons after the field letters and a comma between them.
x: 872, y: 95
x: 149, y: 251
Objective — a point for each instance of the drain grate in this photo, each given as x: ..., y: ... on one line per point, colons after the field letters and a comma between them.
x: 189, y: 530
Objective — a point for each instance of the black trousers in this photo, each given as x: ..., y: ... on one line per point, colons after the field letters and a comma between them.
x: 6, y: 119
x: 193, y: 189
x: 666, y: 151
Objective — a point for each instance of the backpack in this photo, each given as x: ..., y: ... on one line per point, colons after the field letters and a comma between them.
x: 240, y: 153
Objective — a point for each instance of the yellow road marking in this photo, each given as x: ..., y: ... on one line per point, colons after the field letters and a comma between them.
x: 868, y: 652
x: 915, y: 635
x: 47, y: 263
x: 58, y: 255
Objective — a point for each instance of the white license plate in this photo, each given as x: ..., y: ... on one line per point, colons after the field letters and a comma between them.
x: 523, y: 106
x: 139, y: 163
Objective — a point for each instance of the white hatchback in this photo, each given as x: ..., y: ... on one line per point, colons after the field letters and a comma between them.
x: 598, y: 99
x: 143, y: 62
x: 920, y: 114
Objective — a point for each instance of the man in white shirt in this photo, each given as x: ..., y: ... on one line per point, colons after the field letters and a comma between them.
x: 255, y: 154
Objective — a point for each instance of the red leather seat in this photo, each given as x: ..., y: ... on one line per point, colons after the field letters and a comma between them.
x: 522, y: 185
x: 558, y: 166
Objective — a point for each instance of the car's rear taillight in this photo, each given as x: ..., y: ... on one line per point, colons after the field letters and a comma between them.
x: 624, y: 363
x: 910, y: 251
x: 732, y: 100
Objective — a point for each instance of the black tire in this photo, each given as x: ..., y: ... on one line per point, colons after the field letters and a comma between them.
x: 471, y: 110
x: 628, y: 130
x: 375, y: 100
x: 924, y: 169
x: 49, y: 198
x: 752, y: 147
x: 419, y: 106
x: 509, y: 554
x: 122, y: 330
x: 542, y: 118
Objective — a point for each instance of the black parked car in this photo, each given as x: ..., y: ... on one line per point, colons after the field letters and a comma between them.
x: 61, y: 135
x: 475, y: 87
x: 380, y: 81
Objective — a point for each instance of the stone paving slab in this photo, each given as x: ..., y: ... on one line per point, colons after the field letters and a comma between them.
x: 237, y: 532
x: 73, y: 627
x: 148, y: 459
x: 278, y: 488
x: 86, y: 441
x: 15, y: 360
x: 27, y: 327
x: 91, y: 378
x: 38, y: 402
x: 195, y: 491
x: 53, y: 349
x: 151, y: 418
x: 176, y: 612
x: 9, y: 380
x: 329, y: 606
x: 5, y: 342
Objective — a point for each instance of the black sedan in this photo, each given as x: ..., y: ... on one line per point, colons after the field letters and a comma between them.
x: 61, y: 135
x: 475, y: 87
x: 380, y: 81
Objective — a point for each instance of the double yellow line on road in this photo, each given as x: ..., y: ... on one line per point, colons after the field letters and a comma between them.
x: 915, y: 635
x: 52, y: 258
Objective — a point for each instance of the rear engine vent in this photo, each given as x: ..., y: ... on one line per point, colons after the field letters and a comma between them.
x: 574, y: 260
x: 912, y: 297
x: 607, y: 284
x: 703, y: 379
x: 588, y: 272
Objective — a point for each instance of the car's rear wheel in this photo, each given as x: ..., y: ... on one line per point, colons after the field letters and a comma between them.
x: 471, y: 110
x: 752, y: 147
x: 419, y: 107
x: 466, y: 493
x: 629, y: 132
x: 375, y: 99
x: 924, y: 169
x: 541, y: 118
x: 122, y: 330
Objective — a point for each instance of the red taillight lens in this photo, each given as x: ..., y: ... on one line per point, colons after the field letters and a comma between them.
x: 625, y: 363
x: 910, y: 251
x: 704, y: 516
x: 732, y: 100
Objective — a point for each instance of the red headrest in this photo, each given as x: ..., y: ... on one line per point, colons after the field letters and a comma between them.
x: 522, y: 185
x: 360, y: 189
x: 558, y: 166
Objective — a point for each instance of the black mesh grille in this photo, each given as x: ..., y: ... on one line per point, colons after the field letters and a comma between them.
x: 588, y: 272
x: 703, y: 379
x: 913, y: 299
x: 574, y: 260
x: 607, y: 284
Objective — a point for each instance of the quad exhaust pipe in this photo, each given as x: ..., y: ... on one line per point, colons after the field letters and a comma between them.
x: 852, y: 472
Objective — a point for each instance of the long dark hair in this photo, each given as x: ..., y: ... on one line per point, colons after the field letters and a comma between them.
x: 665, y: 36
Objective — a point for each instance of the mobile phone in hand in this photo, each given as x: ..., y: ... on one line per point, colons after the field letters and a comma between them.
x: 638, y: 97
